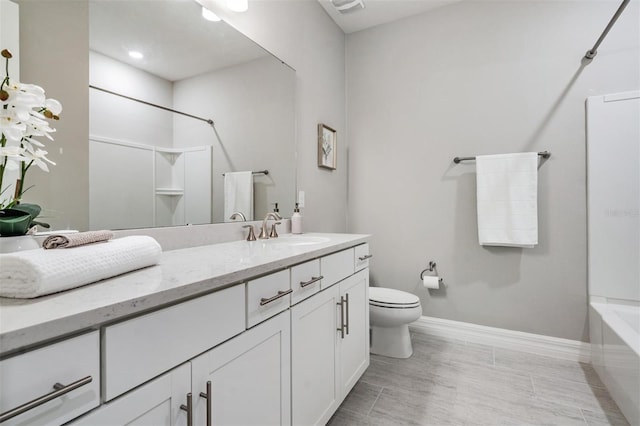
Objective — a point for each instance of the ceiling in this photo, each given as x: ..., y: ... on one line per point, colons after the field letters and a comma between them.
x: 176, y: 41
x: 378, y: 12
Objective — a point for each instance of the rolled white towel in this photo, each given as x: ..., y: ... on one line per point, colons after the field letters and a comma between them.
x: 33, y: 273
x: 76, y: 239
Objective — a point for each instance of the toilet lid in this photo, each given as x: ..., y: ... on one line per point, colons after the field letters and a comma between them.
x: 391, y: 298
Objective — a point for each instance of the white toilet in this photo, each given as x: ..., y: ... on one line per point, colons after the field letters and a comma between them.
x: 390, y: 312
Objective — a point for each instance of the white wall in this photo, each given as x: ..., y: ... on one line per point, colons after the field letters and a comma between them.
x: 480, y: 78
x: 302, y: 34
x: 252, y: 105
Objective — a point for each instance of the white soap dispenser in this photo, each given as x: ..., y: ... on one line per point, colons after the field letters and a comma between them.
x: 296, y: 221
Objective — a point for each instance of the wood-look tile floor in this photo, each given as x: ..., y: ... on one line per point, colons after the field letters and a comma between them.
x: 451, y: 382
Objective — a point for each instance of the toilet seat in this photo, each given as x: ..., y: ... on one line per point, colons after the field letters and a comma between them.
x: 392, y: 299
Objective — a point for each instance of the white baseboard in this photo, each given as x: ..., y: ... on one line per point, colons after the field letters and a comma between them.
x: 555, y: 347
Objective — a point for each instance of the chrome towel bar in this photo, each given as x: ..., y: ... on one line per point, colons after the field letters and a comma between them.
x: 259, y: 172
x: 543, y: 154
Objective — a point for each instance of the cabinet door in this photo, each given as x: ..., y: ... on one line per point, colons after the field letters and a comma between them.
x: 156, y: 403
x: 353, y: 348
x: 249, y: 375
x: 314, y: 384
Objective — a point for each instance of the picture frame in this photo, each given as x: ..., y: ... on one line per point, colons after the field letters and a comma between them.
x: 327, y: 147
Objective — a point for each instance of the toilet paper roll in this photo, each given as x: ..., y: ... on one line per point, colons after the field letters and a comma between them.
x: 431, y: 281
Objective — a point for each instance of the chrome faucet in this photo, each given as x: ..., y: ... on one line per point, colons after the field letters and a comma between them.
x: 263, y: 231
x: 235, y: 215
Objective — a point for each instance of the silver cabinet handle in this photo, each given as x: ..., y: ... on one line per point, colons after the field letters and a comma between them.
x: 341, y: 329
x: 189, y: 409
x: 280, y: 294
x: 365, y: 257
x: 59, y: 390
x: 207, y: 396
x: 346, y: 325
x: 311, y: 281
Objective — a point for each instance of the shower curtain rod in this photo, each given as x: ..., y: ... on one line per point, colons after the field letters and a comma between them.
x: 543, y: 154
x: 592, y: 53
x: 207, y: 120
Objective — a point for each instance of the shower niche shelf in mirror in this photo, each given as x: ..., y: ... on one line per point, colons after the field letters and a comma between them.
x: 183, y: 186
x: 169, y: 167
x: 160, y: 186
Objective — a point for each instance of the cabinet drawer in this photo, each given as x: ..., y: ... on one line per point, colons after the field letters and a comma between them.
x: 305, y: 280
x: 137, y: 350
x: 267, y: 296
x: 154, y: 403
x: 31, y: 375
x: 361, y: 256
x: 336, y: 267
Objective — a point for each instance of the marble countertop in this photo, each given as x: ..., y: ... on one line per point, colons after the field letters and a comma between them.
x: 181, y: 274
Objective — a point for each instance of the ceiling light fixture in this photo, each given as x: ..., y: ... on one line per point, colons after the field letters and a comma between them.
x: 135, y: 54
x: 238, y: 5
x: 209, y: 15
x: 347, y: 6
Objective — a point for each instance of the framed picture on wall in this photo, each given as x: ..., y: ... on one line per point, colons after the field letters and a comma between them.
x: 327, y: 147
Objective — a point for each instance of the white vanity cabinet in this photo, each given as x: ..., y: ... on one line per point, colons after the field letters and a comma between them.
x: 244, y: 381
x: 281, y: 348
x: 249, y: 378
x: 52, y: 384
x: 329, y: 348
x: 141, y: 348
x: 353, y: 348
x: 267, y: 296
x: 155, y: 403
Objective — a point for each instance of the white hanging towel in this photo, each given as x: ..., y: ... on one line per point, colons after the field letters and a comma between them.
x: 507, y: 192
x: 238, y: 194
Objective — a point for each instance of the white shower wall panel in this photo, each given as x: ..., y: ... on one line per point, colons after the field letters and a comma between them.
x: 613, y: 163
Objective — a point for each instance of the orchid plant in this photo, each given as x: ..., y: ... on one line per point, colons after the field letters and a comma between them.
x: 23, y: 117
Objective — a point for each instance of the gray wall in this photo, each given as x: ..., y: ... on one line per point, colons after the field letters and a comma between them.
x: 54, y: 54
x: 304, y: 36
x: 481, y: 78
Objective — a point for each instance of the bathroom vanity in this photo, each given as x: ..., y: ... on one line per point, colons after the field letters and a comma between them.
x: 272, y: 332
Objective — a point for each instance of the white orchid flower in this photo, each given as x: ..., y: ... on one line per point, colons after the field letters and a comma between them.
x: 14, y: 156
x: 24, y: 111
x: 29, y: 144
x: 54, y: 106
x: 39, y: 157
x: 10, y: 126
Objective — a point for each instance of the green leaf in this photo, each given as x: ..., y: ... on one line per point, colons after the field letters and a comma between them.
x: 32, y: 210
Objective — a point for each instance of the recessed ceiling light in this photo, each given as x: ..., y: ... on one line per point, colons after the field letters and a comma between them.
x: 135, y: 54
x: 209, y: 15
x: 238, y: 5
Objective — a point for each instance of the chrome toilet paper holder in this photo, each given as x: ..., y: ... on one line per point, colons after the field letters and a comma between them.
x: 431, y: 268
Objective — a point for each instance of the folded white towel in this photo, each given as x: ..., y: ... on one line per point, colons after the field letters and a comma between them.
x: 33, y: 273
x: 507, y: 192
x: 238, y: 194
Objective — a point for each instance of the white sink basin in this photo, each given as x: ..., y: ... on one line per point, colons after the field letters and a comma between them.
x: 298, y: 240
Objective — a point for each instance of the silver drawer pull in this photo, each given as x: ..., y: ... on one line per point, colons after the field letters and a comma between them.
x: 341, y: 303
x: 189, y: 409
x: 365, y: 257
x: 59, y: 390
x: 207, y: 396
x: 311, y: 281
x: 280, y: 294
x: 346, y: 324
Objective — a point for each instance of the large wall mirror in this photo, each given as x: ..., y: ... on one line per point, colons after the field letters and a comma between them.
x: 234, y: 112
